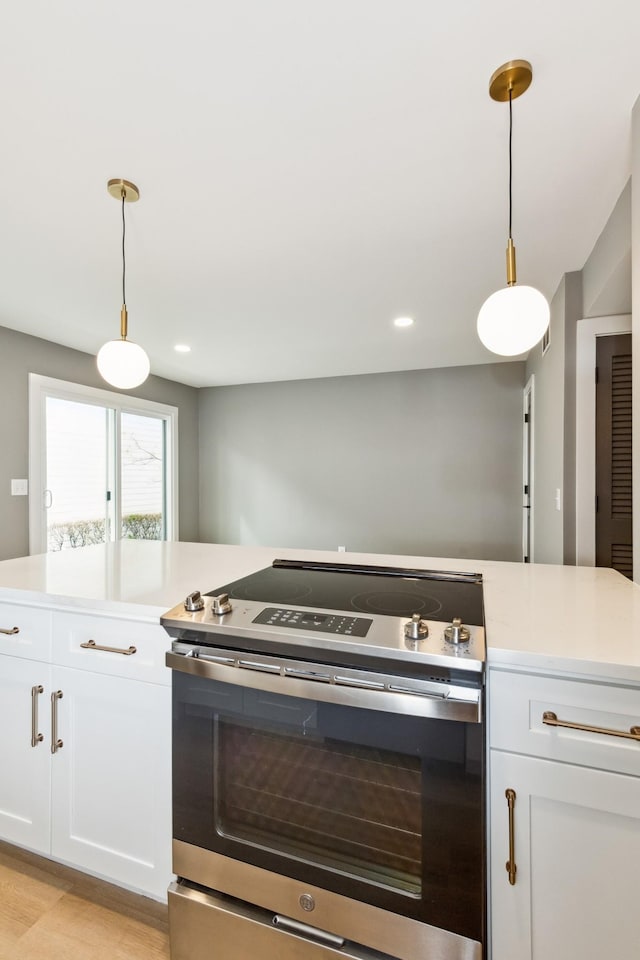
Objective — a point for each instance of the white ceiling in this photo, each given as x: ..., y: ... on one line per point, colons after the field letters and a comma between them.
x: 308, y: 170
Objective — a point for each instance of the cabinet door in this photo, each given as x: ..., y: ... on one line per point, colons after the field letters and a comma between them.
x: 111, y: 779
x: 25, y: 769
x: 577, y: 850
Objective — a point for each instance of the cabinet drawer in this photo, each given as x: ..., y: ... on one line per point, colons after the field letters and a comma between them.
x: 517, y: 703
x: 25, y: 631
x: 150, y: 642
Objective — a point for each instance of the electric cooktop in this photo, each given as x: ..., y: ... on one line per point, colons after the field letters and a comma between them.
x: 388, y: 591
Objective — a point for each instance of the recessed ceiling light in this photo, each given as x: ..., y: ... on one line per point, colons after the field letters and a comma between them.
x: 403, y: 322
x: 182, y: 348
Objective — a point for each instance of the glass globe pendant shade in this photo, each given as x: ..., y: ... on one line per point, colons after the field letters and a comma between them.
x: 512, y: 320
x: 123, y: 364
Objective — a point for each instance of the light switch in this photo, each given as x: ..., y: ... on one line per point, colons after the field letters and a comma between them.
x: 19, y: 488
x: 557, y: 499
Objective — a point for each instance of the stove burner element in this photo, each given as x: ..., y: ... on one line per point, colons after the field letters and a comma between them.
x: 396, y: 604
x: 278, y: 593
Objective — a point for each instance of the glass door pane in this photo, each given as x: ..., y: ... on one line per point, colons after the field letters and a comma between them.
x: 353, y: 808
x: 142, y: 490
x: 76, y: 495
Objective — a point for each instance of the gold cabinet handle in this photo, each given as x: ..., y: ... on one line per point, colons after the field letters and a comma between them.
x: 11, y: 631
x: 36, y: 737
x: 92, y: 645
x: 511, y: 862
x: 551, y: 720
x: 56, y: 744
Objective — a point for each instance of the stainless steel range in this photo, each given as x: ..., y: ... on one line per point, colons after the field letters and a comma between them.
x: 328, y: 766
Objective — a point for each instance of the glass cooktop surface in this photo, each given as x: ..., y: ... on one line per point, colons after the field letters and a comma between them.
x: 390, y: 591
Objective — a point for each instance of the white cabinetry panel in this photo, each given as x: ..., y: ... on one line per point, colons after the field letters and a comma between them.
x: 518, y: 701
x: 111, y: 780
x: 577, y: 849
x: 102, y: 801
x: 576, y: 819
x: 71, y: 630
x: 25, y: 770
x: 25, y: 631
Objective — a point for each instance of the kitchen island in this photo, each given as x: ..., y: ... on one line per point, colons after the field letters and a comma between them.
x: 562, y: 642
x: 582, y: 620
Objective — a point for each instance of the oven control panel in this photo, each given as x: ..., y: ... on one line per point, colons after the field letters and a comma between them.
x: 312, y: 620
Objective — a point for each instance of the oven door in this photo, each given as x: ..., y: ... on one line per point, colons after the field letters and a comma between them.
x: 374, y: 795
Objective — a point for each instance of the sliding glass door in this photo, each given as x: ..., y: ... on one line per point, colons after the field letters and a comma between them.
x: 103, y: 467
x: 76, y: 495
x: 142, y: 476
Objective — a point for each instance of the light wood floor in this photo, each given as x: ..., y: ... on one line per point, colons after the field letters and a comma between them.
x: 50, y: 912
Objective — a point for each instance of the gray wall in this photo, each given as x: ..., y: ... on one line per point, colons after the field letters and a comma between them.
x: 606, y: 276
x: 554, y: 428
x: 20, y: 355
x: 425, y: 462
x: 548, y: 436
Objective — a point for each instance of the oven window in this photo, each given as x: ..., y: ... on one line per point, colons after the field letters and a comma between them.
x: 353, y: 809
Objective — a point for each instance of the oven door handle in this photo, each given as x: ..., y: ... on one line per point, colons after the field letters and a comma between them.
x: 434, y: 706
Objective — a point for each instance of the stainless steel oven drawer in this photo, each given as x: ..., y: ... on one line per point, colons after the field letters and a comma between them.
x: 381, y: 933
x: 204, y: 924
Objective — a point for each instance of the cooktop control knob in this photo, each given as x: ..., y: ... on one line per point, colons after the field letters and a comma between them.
x: 416, y: 629
x: 456, y: 632
x: 220, y: 605
x: 194, y: 602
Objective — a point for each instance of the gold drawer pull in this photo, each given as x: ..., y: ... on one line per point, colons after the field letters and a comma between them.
x: 11, y: 631
x: 551, y: 719
x: 92, y: 645
x: 510, y: 865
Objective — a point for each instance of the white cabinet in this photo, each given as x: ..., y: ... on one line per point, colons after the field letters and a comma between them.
x: 576, y: 820
x: 110, y: 810
x: 101, y: 800
x: 25, y: 631
x: 111, y: 645
x: 25, y: 761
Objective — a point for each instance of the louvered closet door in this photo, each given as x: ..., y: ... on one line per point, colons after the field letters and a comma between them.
x: 613, y: 453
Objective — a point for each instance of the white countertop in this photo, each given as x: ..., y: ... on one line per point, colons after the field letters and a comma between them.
x: 578, y: 620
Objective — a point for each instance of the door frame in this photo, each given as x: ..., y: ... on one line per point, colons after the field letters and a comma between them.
x: 528, y: 466
x: 587, y: 331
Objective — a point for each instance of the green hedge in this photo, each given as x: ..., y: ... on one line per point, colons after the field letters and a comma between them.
x: 82, y: 533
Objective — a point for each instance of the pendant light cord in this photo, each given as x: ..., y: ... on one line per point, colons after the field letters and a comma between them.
x: 510, y: 158
x: 124, y: 299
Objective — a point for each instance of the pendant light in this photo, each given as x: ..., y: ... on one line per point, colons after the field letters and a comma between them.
x: 122, y: 363
x: 512, y: 320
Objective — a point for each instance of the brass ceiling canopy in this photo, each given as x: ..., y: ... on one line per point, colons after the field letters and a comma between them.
x: 514, y: 76
x: 123, y: 190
